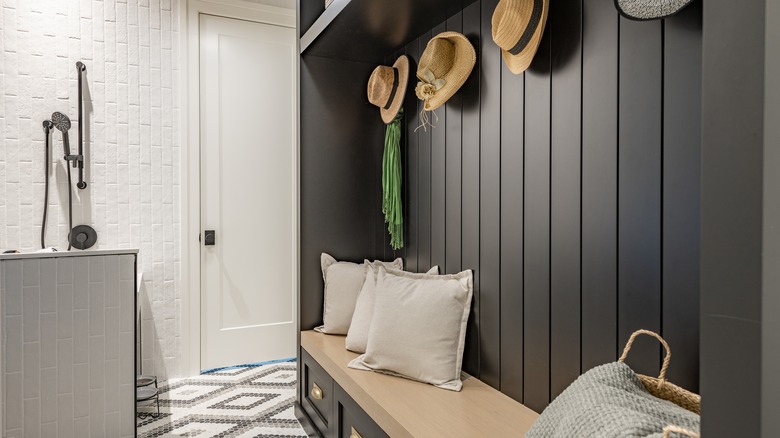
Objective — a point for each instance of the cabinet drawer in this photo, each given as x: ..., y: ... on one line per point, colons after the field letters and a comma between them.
x: 317, y: 396
x: 351, y: 420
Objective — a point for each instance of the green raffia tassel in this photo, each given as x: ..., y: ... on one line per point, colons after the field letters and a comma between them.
x: 392, y: 177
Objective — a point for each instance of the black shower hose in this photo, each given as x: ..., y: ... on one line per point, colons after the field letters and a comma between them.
x: 46, y: 195
x: 70, y: 202
x: 46, y: 187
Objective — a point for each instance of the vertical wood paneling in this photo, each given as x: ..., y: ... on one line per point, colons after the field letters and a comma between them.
x: 566, y: 106
x: 490, y: 203
x: 470, y: 172
x: 424, y: 175
x: 412, y: 150
x: 453, y: 172
x: 682, y: 187
x: 639, y: 196
x: 536, y: 287
x: 512, y: 148
x: 438, y: 183
x: 334, y: 215
x: 571, y: 191
x: 599, y: 182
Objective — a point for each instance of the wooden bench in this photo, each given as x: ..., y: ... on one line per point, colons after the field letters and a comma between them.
x: 397, y: 407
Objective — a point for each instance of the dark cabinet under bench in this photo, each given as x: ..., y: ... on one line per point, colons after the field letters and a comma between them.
x: 351, y: 421
x: 329, y: 408
x: 317, y: 395
x: 340, y: 402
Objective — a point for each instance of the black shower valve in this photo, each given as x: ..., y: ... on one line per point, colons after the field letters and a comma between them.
x: 82, y: 237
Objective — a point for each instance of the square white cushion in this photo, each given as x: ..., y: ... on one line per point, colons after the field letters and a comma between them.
x: 418, y: 329
x: 343, y: 281
x: 357, y: 337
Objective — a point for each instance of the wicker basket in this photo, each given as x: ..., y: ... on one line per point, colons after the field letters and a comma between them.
x: 659, y: 386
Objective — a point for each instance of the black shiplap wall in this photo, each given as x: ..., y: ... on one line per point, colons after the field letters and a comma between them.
x: 340, y: 213
x: 572, y: 191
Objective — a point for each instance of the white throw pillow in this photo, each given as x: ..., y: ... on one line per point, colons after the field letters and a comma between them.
x: 343, y: 281
x: 395, y: 264
x: 357, y: 337
x: 418, y: 329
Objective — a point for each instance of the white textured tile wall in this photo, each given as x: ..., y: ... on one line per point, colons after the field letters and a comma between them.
x: 68, y: 346
x: 130, y: 48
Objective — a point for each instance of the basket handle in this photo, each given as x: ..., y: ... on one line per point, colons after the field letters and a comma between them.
x: 669, y: 430
x: 667, y: 358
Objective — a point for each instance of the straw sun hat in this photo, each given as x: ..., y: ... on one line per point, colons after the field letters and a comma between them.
x: 650, y: 9
x: 444, y: 66
x: 517, y: 27
x: 387, y: 87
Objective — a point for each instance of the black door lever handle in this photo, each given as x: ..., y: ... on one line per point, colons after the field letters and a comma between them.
x: 209, y: 237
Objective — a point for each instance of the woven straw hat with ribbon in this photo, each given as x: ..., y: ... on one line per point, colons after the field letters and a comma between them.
x: 517, y: 27
x: 444, y: 67
x: 387, y: 88
x: 650, y: 9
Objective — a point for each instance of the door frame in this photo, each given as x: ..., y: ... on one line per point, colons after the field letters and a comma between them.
x: 189, y: 63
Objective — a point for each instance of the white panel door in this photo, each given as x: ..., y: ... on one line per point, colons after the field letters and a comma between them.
x: 247, y: 152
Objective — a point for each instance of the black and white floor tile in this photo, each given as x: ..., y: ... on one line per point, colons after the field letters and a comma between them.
x: 243, y: 402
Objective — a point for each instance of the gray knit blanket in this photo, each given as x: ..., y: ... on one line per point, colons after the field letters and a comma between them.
x: 610, y: 401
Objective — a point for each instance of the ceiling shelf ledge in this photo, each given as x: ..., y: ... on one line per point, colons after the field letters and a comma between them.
x: 370, y: 30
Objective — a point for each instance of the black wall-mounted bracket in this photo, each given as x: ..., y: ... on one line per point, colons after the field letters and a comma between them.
x: 78, y: 160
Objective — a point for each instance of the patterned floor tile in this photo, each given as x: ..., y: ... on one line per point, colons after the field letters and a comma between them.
x: 244, y: 402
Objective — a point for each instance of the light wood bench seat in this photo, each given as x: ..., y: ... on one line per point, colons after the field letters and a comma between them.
x: 405, y: 408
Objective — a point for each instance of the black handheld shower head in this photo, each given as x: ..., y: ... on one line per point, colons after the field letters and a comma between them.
x: 62, y: 122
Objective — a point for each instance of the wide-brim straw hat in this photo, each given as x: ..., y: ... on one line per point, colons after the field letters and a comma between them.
x: 650, y: 9
x: 444, y: 66
x: 517, y: 27
x: 387, y: 87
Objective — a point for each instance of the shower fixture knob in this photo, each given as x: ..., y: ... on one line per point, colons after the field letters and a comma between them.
x: 82, y: 185
x: 82, y: 237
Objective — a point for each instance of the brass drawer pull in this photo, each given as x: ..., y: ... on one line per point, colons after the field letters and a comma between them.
x: 354, y: 434
x: 316, y: 392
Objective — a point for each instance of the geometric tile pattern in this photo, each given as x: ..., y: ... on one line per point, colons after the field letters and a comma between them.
x: 255, y: 401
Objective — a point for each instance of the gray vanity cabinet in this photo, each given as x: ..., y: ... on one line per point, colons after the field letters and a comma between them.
x: 68, y: 344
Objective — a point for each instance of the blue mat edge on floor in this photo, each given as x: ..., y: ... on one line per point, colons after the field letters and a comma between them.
x: 248, y: 365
